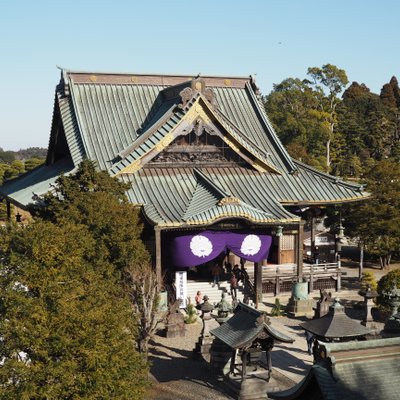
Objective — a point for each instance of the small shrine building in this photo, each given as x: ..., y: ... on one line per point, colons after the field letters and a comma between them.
x: 203, y: 161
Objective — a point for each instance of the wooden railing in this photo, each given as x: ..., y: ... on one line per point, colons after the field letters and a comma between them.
x: 248, y: 285
x: 280, y: 278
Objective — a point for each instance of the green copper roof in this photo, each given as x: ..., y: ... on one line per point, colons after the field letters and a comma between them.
x: 37, y: 182
x: 122, y: 121
x: 244, y: 327
x: 353, y: 370
x: 111, y: 113
x: 187, y: 196
x: 336, y: 324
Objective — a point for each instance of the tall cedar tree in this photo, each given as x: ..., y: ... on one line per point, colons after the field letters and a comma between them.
x: 98, y: 201
x: 66, y: 326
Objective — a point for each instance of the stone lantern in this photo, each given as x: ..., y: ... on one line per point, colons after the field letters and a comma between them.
x: 392, y: 325
x: 369, y: 296
x: 205, y: 340
x: 223, y: 308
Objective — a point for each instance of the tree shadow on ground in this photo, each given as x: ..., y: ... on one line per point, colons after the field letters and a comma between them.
x: 350, y: 283
x: 174, y: 367
x: 292, y: 363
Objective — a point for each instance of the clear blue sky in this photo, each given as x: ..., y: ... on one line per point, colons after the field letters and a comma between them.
x: 274, y: 39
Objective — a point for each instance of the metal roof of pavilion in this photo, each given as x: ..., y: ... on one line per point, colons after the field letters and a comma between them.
x: 355, y: 370
x: 37, y: 182
x: 245, y: 326
x: 122, y: 120
x: 336, y: 324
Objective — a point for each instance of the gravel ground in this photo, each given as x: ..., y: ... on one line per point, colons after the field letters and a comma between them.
x: 178, y: 375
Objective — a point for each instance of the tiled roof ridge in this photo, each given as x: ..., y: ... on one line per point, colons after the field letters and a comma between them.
x: 150, y: 79
x: 155, y: 74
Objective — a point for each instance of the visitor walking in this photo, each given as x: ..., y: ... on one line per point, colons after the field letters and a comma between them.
x: 215, y: 272
x: 310, y: 341
x: 237, y: 272
x: 233, y: 281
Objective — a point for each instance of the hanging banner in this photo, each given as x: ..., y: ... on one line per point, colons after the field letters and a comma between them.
x: 181, y: 287
x: 192, y: 250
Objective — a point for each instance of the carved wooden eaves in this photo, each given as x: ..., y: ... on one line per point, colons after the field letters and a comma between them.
x: 201, y: 114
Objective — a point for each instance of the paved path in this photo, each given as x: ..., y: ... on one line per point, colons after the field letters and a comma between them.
x: 179, y: 376
x: 291, y: 360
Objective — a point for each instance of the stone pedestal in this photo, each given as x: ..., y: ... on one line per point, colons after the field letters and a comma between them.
x: 300, y: 308
x: 220, y: 355
x: 175, y: 325
x: 369, y: 296
x: 299, y: 304
x: 203, y: 345
x: 254, y: 387
x: 368, y: 320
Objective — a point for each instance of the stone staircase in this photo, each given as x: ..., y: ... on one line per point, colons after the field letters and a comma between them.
x: 214, y: 292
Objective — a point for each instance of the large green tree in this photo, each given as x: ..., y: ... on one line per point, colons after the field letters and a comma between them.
x: 376, y: 222
x: 293, y: 109
x: 304, y: 114
x: 97, y: 200
x: 66, y: 325
x: 329, y: 81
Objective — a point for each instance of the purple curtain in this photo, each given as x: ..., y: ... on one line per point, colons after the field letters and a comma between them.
x: 192, y: 250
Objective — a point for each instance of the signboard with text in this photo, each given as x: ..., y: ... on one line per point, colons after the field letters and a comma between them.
x: 181, y: 287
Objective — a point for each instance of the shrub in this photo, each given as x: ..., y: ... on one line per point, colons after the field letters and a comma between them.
x: 191, y: 314
x: 277, y: 309
x: 386, y: 284
x: 368, y: 278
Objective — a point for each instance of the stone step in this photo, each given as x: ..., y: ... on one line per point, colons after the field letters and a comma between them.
x: 214, y: 292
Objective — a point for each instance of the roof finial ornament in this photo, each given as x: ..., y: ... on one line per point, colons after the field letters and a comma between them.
x: 254, y: 86
x: 197, y: 86
x: 186, y: 95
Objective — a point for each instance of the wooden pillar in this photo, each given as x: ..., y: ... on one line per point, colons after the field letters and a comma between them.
x: 233, y: 361
x: 299, y: 248
x: 279, y: 244
x: 157, y: 232
x: 258, y: 282
x: 313, y: 238
x: 244, y: 365
x: 311, y: 286
x: 361, y: 266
